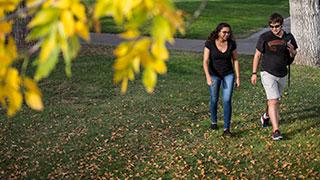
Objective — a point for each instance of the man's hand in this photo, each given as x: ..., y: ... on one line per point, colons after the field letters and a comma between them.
x: 291, y: 49
x: 254, y: 79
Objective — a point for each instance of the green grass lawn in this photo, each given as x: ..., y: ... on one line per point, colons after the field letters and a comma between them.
x: 88, y: 130
x: 245, y: 16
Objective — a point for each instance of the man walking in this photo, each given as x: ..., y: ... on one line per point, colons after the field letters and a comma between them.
x: 277, y: 49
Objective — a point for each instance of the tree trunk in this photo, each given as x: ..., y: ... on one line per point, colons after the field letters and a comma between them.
x: 20, y: 30
x: 305, y: 26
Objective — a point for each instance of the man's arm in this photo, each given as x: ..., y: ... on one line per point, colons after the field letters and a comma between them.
x: 255, y: 64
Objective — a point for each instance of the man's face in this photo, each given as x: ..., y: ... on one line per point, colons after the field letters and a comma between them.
x: 275, y: 28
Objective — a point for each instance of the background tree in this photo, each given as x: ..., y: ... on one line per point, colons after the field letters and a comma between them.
x: 305, y: 25
x: 20, y: 30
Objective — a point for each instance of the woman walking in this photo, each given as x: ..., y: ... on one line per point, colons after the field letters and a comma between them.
x: 221, y: 68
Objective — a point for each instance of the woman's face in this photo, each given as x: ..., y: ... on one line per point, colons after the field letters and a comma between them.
x: 224, y: 33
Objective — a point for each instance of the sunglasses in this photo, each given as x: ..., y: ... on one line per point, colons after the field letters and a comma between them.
x: 225, y: 32
x: 276, y: 26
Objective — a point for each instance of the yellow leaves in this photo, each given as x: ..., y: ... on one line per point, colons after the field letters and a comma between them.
x: 62, y: 4
x: 130, y: 34
x: 14, y: 99
x: 149, y: 79
x: 45, y: 67
x: 44, y: 16
x: 159, y: 50
x: 130, y: 56
x: 161, y: 29
x: 10, y: 95
x: 48, y: 45
x: 149, y: 4
x: 68, y: 22
x: 34, y: 101
x: 159, y: 66
x: 11, y: 48
x: 8, y: 5
x: 5, y: 28
x: 79, y: 11
x: 32, y: 94
x: 102, y: 8
x: 63, y: 11
x: 150, y: 53
x: 12, y: 79
x: 57, y: 24
x: 8, y: 53
x: 121, y: 50
x: 31, y: 3
x: 118, y: 11
x: 82, y: 30
x: 136, y: 64
x: 124, y: 85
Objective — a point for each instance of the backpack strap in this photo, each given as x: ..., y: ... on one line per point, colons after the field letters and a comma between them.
x: 289, y: 59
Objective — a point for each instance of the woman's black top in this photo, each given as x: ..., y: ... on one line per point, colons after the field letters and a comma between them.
x: 220, y: 63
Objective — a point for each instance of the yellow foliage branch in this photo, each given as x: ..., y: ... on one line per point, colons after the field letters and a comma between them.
x: 57, y: 25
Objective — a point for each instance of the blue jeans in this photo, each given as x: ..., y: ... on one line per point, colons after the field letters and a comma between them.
x: 227, y: 89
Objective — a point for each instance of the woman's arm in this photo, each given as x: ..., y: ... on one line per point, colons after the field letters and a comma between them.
x: 206, y: 53
x: 236, y: 66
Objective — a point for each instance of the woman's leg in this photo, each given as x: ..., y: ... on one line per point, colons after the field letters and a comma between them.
x: 227, y: 89
x: 214, y: 97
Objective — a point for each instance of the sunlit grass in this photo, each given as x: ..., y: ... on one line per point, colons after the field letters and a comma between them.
x: 245, y: 16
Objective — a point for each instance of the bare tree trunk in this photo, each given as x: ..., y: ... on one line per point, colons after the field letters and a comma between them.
x: 20, y: 30
x: 305, y: 26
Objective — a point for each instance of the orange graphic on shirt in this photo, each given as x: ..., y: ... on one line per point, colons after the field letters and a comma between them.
x: 274, y: 43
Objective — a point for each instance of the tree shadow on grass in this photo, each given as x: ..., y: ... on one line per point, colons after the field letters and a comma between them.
x: 300, y: 130
x: 310, y: 114
x: 301, y: 113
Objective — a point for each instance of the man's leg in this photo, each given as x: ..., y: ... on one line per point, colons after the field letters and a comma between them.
x: 265, y: 117
x: 273, y: 87
x: 273, y: 111
x: 267, y: 110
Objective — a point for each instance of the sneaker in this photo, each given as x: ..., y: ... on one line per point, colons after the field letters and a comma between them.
x: 214, y: 126
x: 265, y: 119
x: 276, y: 135
x: 227, y: 133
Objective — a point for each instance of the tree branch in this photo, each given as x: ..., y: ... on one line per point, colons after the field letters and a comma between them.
x: 197, y: 13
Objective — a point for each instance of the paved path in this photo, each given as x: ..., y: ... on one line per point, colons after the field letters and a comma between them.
x: 245, y: 46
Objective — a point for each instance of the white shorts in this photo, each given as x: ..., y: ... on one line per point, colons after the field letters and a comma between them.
x: 273, y: 85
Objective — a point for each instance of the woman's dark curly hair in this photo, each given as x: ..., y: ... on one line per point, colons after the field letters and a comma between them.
x: 215, y: 34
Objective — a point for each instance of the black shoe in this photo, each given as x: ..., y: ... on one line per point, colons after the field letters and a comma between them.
x: 265, y: 120
x: 227, y: 133
x: 214, y: 126
x: 276, y: 135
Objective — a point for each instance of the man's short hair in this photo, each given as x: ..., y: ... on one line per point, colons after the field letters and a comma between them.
x: 275, y: 18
